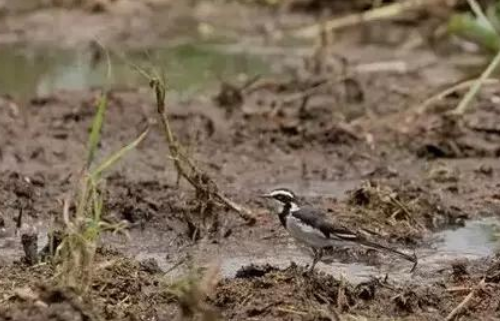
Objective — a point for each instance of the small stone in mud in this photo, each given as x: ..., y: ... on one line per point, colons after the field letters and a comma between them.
x: 254, y: 271
x: 30, y: 247
x: 485, y: 170
x: 229, y: 98
x: 366, y: 290
x: 150, y: 266
x: 407, y: 301
x: 459, y: 269
x: 383, y: 171
x: 359, y: 197
x: 443, y: 173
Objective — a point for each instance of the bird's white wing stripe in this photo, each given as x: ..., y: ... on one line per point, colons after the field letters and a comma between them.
x: 346, y: 236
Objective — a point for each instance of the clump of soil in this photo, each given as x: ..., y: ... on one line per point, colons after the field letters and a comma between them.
x: 264, y: 291
x: 303, y: 111
x: 139, y: 202
x: 475, y: 134
x: 23, y: 197
x: 402, y: 210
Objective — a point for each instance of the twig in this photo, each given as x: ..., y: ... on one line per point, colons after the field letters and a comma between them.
x: 465, y: 102
x: 396, y: 66
x: 185, y: 166
x: 448, y: 91
x: 291, y: 311
x: 458, y: 309
x: 459, y: 289
x: 385, y: 12
x: 176, y: 265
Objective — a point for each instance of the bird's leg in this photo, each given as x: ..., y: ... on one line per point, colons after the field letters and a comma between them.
x: 318, y: 253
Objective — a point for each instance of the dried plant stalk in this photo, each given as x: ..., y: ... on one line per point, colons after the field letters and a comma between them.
x: 204, y: 185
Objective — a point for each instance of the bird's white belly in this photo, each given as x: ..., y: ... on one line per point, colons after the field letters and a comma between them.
x: 307, y: 234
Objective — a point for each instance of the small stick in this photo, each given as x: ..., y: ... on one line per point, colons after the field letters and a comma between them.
x: 465, y: 102
x: 19, y: 220
x: 291, y: 311
x: 185, y: 166
x: 458, y: 309
x: 385, y: 12
x: 448, y: 91
x: 459, y: 289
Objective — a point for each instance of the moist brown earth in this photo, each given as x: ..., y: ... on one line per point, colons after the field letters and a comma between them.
x: 345, y: 131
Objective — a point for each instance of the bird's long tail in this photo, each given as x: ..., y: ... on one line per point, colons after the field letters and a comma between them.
x: 412, y: 258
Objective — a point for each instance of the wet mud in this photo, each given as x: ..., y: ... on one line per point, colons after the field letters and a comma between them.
x: 348, y: 126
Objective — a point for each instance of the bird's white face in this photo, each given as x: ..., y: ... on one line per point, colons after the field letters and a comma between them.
x: 282, y: 197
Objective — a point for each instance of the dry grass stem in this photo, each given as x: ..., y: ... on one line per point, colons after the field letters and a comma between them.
x: 205, y: 187
x: 381, y: 13
x: 466, y: 101
x: 422, y: 108
x: 459, y: 308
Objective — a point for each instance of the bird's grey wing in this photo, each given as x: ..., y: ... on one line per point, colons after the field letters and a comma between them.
x: 317, y: 218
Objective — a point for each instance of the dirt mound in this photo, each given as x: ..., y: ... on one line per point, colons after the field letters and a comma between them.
x: 122, y: 289
x: 474, y: 135
x: 268, y: 293
x: 395, y: 210
x: 440, y: 134
x: 125, y: 289
x: 47, y: 304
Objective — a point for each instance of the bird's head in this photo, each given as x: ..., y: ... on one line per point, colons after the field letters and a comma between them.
x: 283, y: 197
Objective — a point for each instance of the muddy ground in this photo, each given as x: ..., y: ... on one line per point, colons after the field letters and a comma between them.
x: 347, y: 126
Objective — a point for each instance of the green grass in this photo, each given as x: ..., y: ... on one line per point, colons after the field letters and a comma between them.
x: 82, y: 229
x: 479, y: 26
x: 482, y: 29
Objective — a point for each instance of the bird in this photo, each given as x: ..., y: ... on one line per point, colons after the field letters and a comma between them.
x: 310, y: 226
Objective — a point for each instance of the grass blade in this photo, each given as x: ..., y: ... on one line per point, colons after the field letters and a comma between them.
x: 465, y: 102
x: 111, y: 160
x: 467, y: 27
x: 481, y: 17
x: 95, y: 134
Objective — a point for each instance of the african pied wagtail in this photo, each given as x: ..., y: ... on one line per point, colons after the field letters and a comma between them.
x: 309, y: 225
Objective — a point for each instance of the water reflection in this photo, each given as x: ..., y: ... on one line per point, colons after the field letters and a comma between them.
x: 478, y: 238
x: 189, y: 68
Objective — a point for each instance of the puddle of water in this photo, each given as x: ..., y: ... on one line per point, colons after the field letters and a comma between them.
x: 189, y: 67
x: 233, y: 257
x: 477, y: 239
